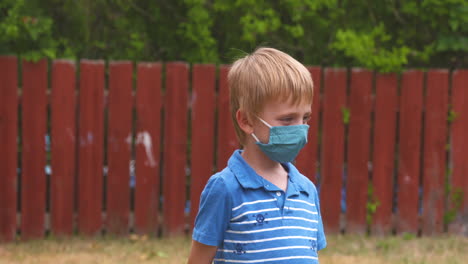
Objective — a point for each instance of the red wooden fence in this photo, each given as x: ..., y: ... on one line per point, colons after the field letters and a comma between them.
x: 63, y: 131
x: 360, y: 104
x: 383, y: 151
x: 148, y: 127
x: 333, y: 142
x: 410, y: 132
x: 90, y: 147
x: 175, y: 147
x: 9, y: 148
x: 203, y: 132
x: 33, y: 124
x: 133, y: 151
x: 459, y: 130
x: 119, y: 145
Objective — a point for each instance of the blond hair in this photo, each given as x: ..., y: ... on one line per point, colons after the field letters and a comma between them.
x: 266, y: 74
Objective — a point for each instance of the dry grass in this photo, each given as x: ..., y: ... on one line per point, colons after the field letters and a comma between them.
x: 404, y: 250
x: 100, y: 251
x: 341, y: 250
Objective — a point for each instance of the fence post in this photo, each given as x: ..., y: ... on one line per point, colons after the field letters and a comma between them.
x: 434, y: 153
x: 148, y: 107
x: 409, y: 151
x: 386, y: 107
x: 33, y: 178
x: 203, y: 128
x: 119, y: 145
x: 90, y: 158
x: 360, y: 106
x: 175, y: 148
x: 63, y: 146
x: 334, y: 103
x: 8, y: 141
x: 458, y: 197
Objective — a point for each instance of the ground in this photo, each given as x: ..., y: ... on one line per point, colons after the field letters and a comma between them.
x: 405, y: 249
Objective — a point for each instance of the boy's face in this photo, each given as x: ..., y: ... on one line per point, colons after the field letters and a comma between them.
x: 280, y: 113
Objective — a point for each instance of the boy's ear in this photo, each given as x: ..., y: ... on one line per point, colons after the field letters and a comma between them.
x: 244, y: 122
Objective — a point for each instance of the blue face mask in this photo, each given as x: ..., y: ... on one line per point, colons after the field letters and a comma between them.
x: 284, y: 143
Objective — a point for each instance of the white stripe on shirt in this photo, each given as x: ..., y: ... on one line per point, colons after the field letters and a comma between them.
x: 265, y: 260
x: 275, y: 219
x: 254, y: 202
x: 265, y: 249
x: 301, y: 209
x: 301, y: 201
x: 271, y: 229
x: 269, y: 239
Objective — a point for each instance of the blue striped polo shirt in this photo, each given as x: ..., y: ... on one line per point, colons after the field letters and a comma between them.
x: 251, y: 220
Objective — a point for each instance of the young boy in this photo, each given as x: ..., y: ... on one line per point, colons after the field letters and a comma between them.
x: 260, y: 209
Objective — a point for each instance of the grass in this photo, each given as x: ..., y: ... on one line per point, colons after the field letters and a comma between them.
x: 139, y: 249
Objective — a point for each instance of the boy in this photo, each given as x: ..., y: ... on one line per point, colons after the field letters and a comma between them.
x: 260, y: 209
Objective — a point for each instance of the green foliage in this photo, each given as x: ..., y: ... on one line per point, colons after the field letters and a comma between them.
x: 197, y: 31
x: 448, y: 147
x: 372, y: 204
x: 368, y: 49
x: 408, y: 236
x: 25, y: 31
x: 387, y: 245
x: 384, y: 35
x: 346, y: 114
x: 452, y: 115
x: 455, y: 199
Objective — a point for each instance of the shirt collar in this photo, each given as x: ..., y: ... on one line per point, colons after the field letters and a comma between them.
x: 246, y: 176
x: 249, y: 179
x: 297, y: 182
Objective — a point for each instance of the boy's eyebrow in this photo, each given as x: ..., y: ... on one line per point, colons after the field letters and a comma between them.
x: 295, y: 113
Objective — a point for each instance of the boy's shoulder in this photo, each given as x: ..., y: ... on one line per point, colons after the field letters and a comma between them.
x: 225, y: 175
x: 224, y: 179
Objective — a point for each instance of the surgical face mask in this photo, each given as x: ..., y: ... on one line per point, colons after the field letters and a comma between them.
x: 284, y: 143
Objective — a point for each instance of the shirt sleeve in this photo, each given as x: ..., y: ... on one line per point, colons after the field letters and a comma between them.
x: 214, y: 213
x: 321, y: 239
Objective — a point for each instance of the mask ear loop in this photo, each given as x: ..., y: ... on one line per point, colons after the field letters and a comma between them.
x: 266, y: 124
x: 255, y: 137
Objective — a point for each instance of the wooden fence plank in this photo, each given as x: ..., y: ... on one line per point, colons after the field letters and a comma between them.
x: 227, y: 140
x: 459, y: 147
x: 8, y: 143
x: 90, y: 157
x: 383, y: 154
x: 63, y: 144
x: 409, y: 151
x: 119, y: 143
x: 360, y: 103
x: 33, y: 178
x: 307, y: 159
x: 203, y: 120
x: 175, y: 148
x: 434, y: 159
x: 332, y: 148
x: 148, y: 106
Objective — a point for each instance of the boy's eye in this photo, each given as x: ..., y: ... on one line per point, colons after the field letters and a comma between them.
x: 306, y: 118
x: 286, y: 119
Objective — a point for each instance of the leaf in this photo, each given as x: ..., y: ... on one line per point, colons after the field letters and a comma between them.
x: 346, y: 115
